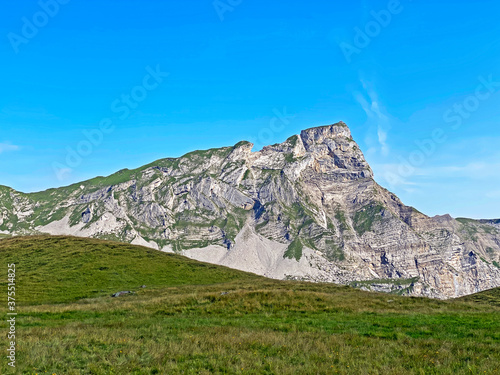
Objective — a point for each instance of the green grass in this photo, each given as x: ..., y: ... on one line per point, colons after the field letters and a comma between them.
x: 119, y: 177
x: 489, y: 229
x: 289, y: 158
x: 489, y: 297
x: 294, y: 250
x: 246, y: 175
x: 465, y: 220
x: 333, y: 252
x: 397, y: 286
x: 183, y: 323
x: 386, y: 281
x: 366, y: 217
x: 64, y: 269
x: 340, y: 216
x: 471, y: 227
x: 221, y: 152
x: 292, y: 141
x: 48, y: 205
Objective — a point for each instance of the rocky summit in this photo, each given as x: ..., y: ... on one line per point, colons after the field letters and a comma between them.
x: 307, y: 209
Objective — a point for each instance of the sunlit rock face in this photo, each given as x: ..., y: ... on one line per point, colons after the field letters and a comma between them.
x: 307, y: 208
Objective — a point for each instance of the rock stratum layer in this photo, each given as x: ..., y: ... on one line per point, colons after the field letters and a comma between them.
x: 307, y: 208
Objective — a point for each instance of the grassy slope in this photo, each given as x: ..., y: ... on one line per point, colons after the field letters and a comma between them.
x: 181, y: 323
x: 64, y: 269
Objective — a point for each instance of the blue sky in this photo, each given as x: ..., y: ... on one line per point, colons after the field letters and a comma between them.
x: 92, y: 87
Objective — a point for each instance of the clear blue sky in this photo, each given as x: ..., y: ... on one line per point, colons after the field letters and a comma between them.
x: 235, y: 69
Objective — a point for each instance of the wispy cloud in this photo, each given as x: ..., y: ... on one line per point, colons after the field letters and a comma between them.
x: 474, y: 170
x: 493, y: 194
x: 388, y: 175
x: 6, y: 146
x: 376, y: 114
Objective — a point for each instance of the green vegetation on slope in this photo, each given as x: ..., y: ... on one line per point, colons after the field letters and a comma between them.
x: 197, y: 319
x: 340, y: 216
x: 395, y: 286
x: 63, y: 269
x: 294, y: 250
x: 333, y: 252
x: 366, y: 217
x: 472, y: 227
x: 50, y: 205
x: 488, y: 297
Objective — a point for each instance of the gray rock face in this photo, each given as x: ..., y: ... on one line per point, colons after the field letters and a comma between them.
x: 307, y: 208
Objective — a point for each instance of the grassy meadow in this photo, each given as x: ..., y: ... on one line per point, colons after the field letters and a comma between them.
x: 196, y: 318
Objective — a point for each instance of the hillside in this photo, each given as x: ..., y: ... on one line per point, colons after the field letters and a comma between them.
x: 195, y: 318
x: 306, y: 209
x: 55, y: 269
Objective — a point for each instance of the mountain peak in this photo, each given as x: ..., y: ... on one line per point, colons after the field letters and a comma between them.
x: 305, y: 208
x: 318, y: 134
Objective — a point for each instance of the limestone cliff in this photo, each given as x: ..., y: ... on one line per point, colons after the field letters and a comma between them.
x: 307, y: 208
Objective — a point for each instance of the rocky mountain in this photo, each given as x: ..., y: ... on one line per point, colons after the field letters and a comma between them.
x: 307, y: 208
